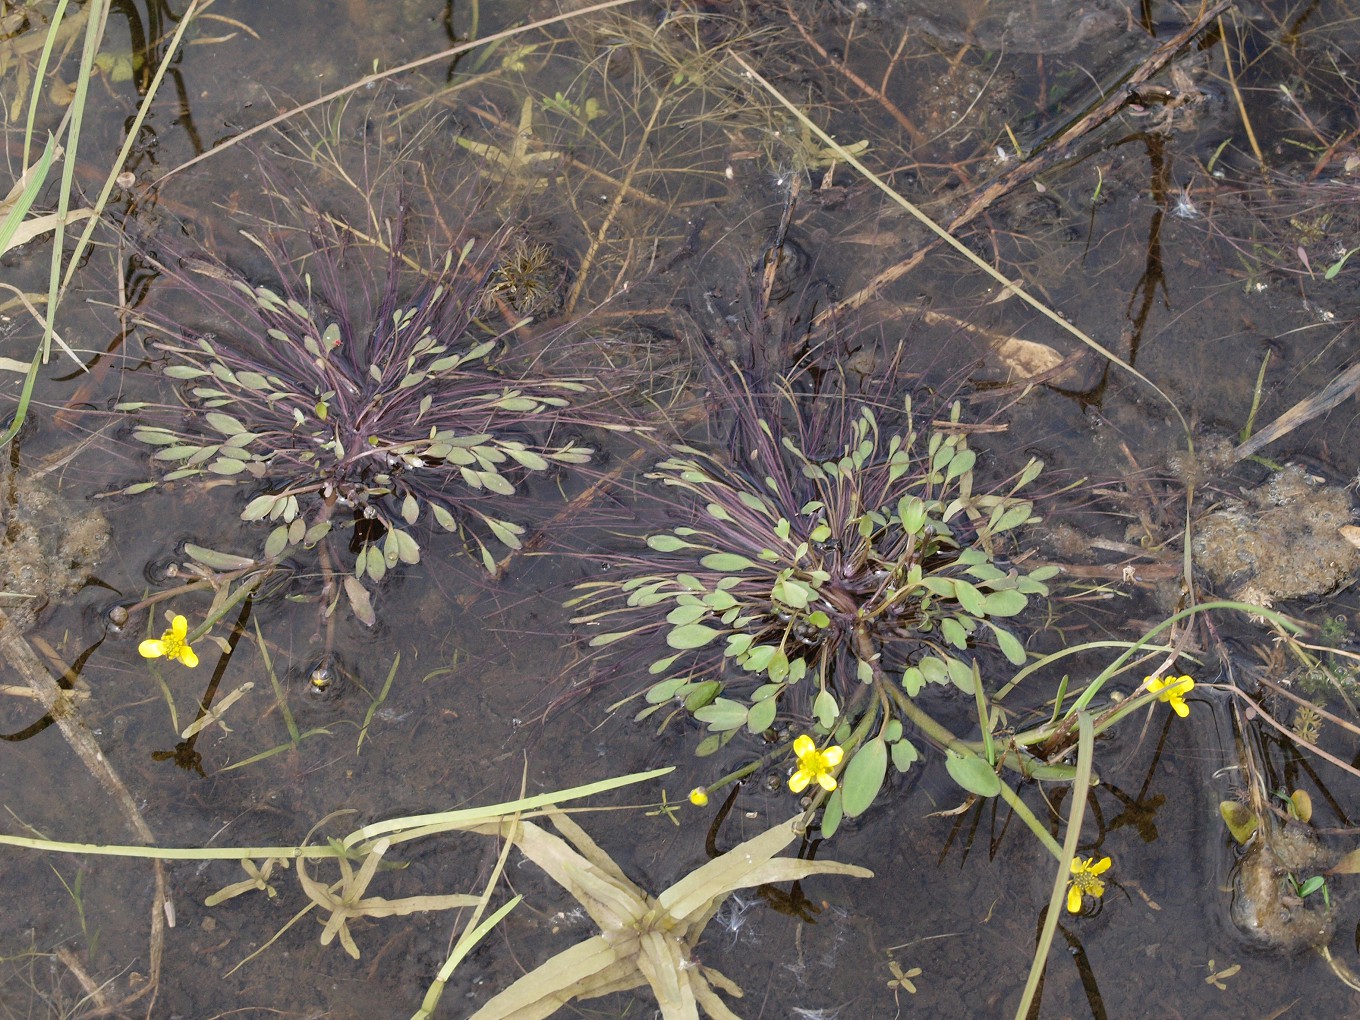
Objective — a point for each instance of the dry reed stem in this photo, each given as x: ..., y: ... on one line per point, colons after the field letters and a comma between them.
x: 1237, y: 97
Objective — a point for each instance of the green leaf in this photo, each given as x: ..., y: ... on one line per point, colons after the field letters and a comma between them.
x: 692, y: 635
x: 1011, y: 518
x: 825, y: 710
x: 681, y: 616
x: 719, y: 601
x: 952, y: 631
x: 863, y: 777
x: 761, y: 716
x: 667, y: 543
x: 969, y: 597
x: 941, y: 586
x: 1008, y: 602
x: 903, y: 754
x: 1311, y: 886
x: 709, y: 745
x: 1240, y: 819
x: 934, y: 670
x: 408, y: 549
x: 1009, y: 644
x: 701, y: 694
x: 259, y: 507
x: 726, y: 562
x: 722, y: 714
x: 374, y: 562
x: 276, y: 542
x: 445, y: 519
x: 973, y: 774
x: 506, y: 533
x: 224, y: 423
x: 962, y: 675
x: 913, y: 681
x: 214, y: 560
x: 794, y: 594
x: 832, y: 815
x: 665, y: 690
x: 410, y: 509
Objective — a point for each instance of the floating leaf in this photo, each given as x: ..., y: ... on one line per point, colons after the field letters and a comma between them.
x: 913, y: 681
x: 1240, y: 819
x: 682, y: 615
x: 259, y: 507
x: 360, y: 602
x: 825, y: 710
x: 727, y: 562
x: 761, y: 716
x: 832, y: 814
x: 973, y: 774
x: 701, y: 694
x: 276, y: 543
x: 667, y: 543
x: 224, y: 423
x: 863, y: 777
x: 1008, y: 602
x: 214, y: 560
x: 1010, y: 646
x: 904, y: 753
x: 693, y: 635
x: 722, y: 714
x: 969, y: 598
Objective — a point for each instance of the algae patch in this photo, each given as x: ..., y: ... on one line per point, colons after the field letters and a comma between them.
x: 48, y: 547
x: 1285, y: 539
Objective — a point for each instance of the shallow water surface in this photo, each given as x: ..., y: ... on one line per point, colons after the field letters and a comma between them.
x: 663, y: 185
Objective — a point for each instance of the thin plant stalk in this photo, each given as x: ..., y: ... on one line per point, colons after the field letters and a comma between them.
x: 1081, y: 784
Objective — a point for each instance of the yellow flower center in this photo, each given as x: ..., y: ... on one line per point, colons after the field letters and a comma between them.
x: 173, y: 644
x: 1088, y: 883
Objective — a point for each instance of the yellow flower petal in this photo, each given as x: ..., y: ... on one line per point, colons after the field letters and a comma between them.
x: 1073, y: 899
x: 698, y: 796
x: 804, y: 746
x: 832, y: 756
x: 179, y: 626
x: 151, y: 648
x: 799, y: 780
x: 188, y: 656
x: 826, y: 782
x: 1099, y: 867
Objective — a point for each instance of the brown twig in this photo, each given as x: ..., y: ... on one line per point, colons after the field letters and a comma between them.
x: 913, y: 132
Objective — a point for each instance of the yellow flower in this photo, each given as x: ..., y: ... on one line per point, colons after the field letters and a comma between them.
x: 1085, y: 881
x: 698, y: 797
x: 814, y: 765
x: 1172, y: 689
x: 171, y: 644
